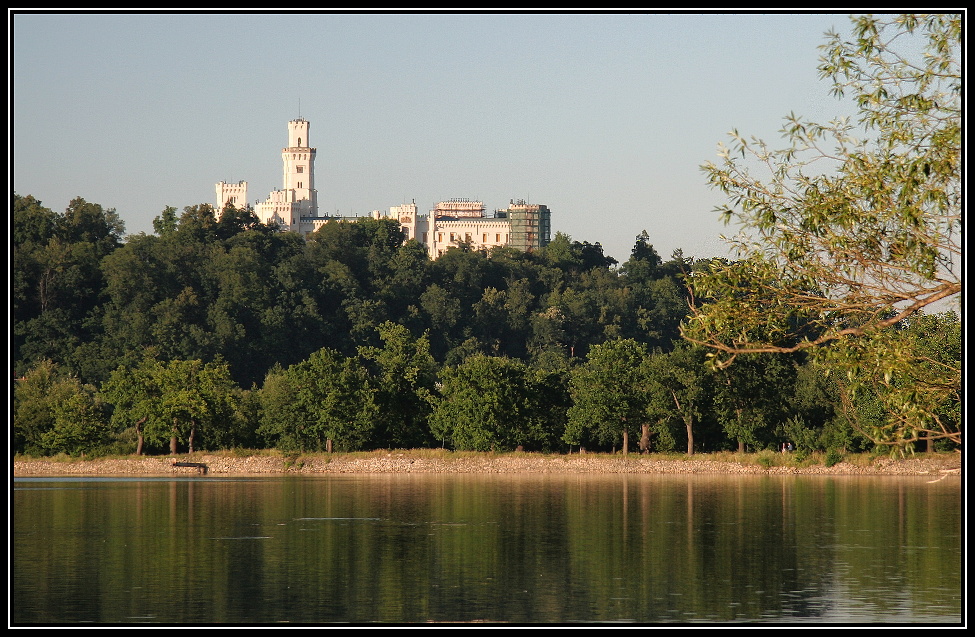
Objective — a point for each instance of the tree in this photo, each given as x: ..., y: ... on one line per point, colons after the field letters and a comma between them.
x: 197, y: 224
x: 609, y: 396
x: 179, y: 401
x: 241, y: 284
x: 281, y: 422
x: 197, y: 399
x: 489, y: 403
x: 403, y: 374
x: 550, y: 401
x: 33, y: 228
x: 817, y: 421
x: 135, y: 280
x: 36, y: 398
x: 84, y: 222
x: 752, y: 396
x: 922, y: 388
x: 79, y: 424
x: 327, y: 398
x: 234, y: 220
x: 643, y: 261
x: 134, y: 394
x: 365, y: 247
x: 841, y: 244
x: 443, y: 312
x: 57, y: 280
x: 574, y: 257
x: 677, y: 389
x: 166, y: 222
x: 405, y: 278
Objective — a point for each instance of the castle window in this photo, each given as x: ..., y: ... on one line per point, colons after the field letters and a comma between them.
x: 301, y: 169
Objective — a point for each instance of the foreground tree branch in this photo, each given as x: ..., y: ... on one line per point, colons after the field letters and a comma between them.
x: 852, y: 229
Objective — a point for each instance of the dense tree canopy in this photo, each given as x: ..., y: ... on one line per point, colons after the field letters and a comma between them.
x: 214, y: 333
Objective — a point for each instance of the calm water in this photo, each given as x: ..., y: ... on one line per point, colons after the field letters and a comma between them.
x: 525, y: 549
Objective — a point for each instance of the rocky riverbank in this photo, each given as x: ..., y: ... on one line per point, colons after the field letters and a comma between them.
x: 935, y: 465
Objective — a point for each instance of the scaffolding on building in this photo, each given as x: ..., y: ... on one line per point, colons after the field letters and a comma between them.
x: 530, y: 226
x: 459, y: 208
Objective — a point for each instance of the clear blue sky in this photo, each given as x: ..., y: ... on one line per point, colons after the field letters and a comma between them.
x: 605, y: 118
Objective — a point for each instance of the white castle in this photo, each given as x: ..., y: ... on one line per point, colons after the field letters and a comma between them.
x: 453, y: 222
x: 298, y: 198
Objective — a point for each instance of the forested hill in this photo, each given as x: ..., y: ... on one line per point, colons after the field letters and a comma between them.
x: 230, y: 289
x: 216, y: 331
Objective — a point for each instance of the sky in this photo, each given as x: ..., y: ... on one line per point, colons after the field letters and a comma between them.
x: 605, y: 118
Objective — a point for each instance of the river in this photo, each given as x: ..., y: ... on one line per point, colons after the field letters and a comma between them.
x: 524, y: 549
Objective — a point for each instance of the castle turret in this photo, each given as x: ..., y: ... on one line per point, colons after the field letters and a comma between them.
x: 234, y: 194
x: 299, y: 167
x: 298, y: 197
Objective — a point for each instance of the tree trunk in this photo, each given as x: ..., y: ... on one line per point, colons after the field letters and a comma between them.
x: 645, y: 438
x: 140, y: 439
x: 328, y: 445
x: 192, y: 434
x: 741, y: 443
x: 688, y: 421
x: 626, y: 441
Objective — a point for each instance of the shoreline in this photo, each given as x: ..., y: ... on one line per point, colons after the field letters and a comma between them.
x: 941, y: 465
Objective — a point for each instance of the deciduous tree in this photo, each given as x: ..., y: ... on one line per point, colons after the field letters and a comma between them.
x: 609, y: 396
x: 325, y: 398
x: 179, y: 401
x: 848, y: 232
x: 677, y: 388
x: 403, y: 375
x: 489, y: 403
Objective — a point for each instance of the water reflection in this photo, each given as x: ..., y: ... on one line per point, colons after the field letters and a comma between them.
x: 464, y: 548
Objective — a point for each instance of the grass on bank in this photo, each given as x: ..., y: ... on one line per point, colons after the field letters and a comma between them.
x: 766, y: 458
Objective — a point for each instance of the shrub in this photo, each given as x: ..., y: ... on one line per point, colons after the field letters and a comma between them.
x: 833, y: 456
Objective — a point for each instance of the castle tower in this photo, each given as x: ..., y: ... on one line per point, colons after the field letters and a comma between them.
x: 299, y: 168
x: 298, y: 197
x: 406, y: 215
x: 228, y: 193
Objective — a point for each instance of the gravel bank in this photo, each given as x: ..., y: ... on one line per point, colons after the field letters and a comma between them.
x: 936, y: 465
